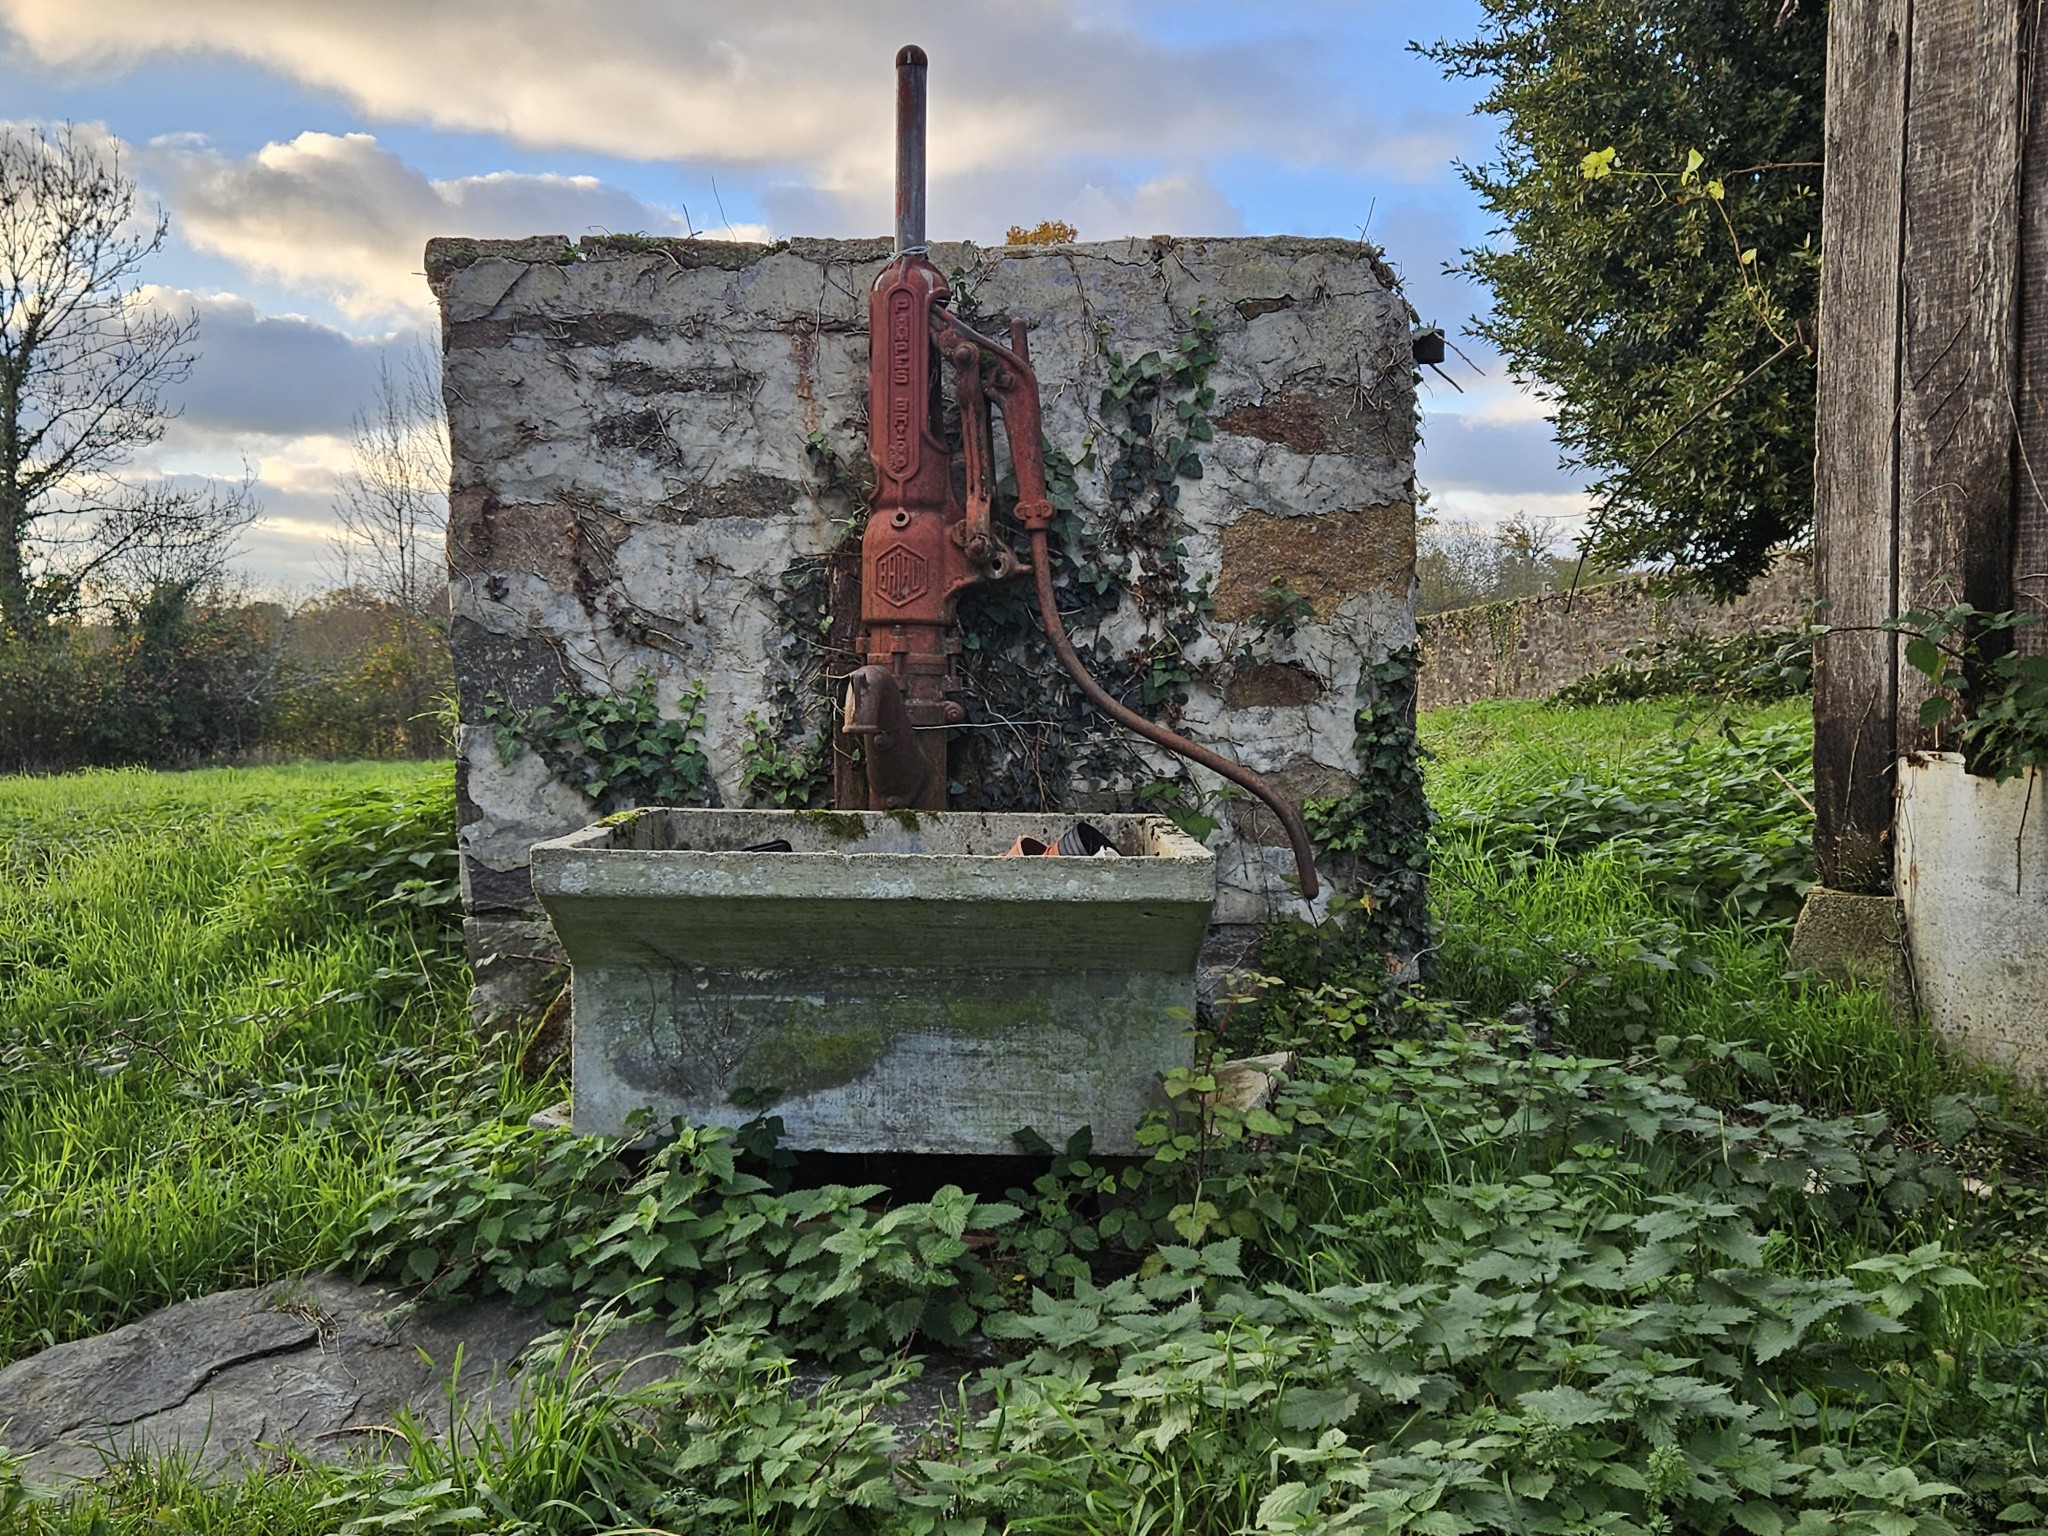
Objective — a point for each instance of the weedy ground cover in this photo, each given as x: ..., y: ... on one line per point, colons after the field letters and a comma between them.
x: 1621, y: 1230
x: 1613, y: 874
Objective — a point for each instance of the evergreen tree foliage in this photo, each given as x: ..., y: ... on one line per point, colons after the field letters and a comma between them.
x: 1657, y: 187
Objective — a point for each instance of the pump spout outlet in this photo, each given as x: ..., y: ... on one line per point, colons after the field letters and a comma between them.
x: 899, y: 773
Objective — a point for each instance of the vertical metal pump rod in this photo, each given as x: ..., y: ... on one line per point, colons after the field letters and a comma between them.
x: 910, y: 76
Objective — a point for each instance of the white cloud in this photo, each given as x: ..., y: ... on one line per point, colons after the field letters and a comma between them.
x: 784, y: 85
x: 1489, y: 509
x: 1099, y: 204
x: 291, y: 546
x: 338, y: 216
x: 1187, y: 203
x: 1493, y: 399
x: 1420, y: 154
x: 1510, y: 404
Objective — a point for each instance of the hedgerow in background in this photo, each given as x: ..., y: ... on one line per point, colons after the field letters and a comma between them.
x: 173, y: 681
x: 188, y: 677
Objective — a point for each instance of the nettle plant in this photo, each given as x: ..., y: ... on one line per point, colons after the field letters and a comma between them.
x: 1442, y: 1287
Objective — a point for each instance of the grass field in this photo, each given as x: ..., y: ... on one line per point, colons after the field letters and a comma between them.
x: 1631, y: 1232
x: 202, y: 1049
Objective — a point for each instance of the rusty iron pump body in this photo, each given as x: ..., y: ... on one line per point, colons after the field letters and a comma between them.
x: 926, y: 543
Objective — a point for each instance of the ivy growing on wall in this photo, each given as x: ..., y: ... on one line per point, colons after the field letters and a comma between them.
x: 788, y: 754
x: 781, y: 775
x: 1030, y: 728
x: 619, y: 749
x: 1031, y: 738
x: 1375, y: 841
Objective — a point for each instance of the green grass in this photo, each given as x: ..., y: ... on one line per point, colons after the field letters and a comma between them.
x: 1498, y: 749
x: 203, y: 1051
x: 1598, y: 936
x: 1553, y: 1265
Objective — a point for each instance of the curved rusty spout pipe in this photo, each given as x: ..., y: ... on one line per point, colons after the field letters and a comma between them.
x: 1151, y: 730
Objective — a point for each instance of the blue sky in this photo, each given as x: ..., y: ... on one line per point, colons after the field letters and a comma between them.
x: 305, y: 150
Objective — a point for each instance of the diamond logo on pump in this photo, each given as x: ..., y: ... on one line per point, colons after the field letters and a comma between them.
x: 900, y: 572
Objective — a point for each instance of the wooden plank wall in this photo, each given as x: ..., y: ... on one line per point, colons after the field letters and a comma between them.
x: 1933, y: 379
x: 2030, y: 469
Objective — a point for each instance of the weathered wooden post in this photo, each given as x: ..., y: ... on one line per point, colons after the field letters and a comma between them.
x: 1933, y: 404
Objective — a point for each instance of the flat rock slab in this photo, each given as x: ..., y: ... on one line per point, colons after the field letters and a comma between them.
x: 320, y: 1367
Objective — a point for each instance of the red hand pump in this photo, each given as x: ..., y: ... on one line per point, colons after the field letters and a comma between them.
x: 925, y: 543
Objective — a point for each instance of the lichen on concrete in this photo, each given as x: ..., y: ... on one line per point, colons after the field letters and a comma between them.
x: 716, y: 980
x: 845, y: 826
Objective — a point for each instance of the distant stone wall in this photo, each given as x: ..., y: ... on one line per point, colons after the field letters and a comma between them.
x: 644, y: 434
x: 1533, y: 646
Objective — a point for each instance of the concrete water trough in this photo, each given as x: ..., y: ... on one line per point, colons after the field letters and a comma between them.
x: 890, y: 983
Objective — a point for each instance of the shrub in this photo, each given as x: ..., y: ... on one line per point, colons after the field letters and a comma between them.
x: 1453, y: 1285
x: 1752, y: 668
x: 546, y: 1216
x: 175, y: 682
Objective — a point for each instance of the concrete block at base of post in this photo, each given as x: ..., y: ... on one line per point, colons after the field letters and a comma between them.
x: 884, y: 982
x: 1853, y: 939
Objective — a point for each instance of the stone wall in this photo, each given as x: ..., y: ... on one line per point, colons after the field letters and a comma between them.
x: 1533, y: 646
x: 658, y: 446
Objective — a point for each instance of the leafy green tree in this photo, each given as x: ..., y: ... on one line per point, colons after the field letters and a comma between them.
x: 1657, y: 187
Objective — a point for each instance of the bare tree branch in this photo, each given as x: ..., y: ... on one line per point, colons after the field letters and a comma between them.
x: 393, y: 506
x: 85, y: 366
